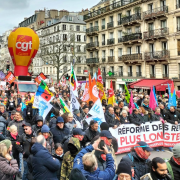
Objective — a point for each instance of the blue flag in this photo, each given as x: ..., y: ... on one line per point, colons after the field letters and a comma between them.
x: 174, y: 99
x: 170, y: 101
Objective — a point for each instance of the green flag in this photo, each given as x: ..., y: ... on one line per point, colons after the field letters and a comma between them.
x: 64, y: 105
x: 127, y: 95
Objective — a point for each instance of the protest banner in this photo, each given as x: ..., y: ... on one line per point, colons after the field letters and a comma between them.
x: 129, y: 134
x: 10, y: 77
x: 40, y: 77
x: 2, y: 85
x: 171, y: 134
x: 2, y: 75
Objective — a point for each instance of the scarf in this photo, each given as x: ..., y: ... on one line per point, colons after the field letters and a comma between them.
x: 140, y: 152
x: 14, y: 135
x: 145, y: 105
x: 106, y: 141
x: 79, y: 137
x: 137, y: 107
x: 117, y: 117
x: 157, y: 113
x: 46, y: 136
x: 176, y: 160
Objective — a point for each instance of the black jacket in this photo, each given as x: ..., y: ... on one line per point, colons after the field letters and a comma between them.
x: 139, y: 102
x: 18, y: 124
x: 52, y: 122
x: 59, y: 134
x: 134, y: 119
x: 11, y: 105
x: 3, y: 123
x: 111, y: 120
x: 156, y: 117
x: 122, y: 120
x: 25, y: 141
x: 175, y: 168
x: 89, y: 135
x: 171, y: 117
x: 163, y: 112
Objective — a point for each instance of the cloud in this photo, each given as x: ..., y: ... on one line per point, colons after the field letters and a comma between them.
x: 14, y: 4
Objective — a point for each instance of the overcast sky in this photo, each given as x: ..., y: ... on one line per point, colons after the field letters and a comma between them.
x: 12, y: 12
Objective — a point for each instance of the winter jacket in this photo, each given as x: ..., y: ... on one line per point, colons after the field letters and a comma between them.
x: 89, y: 135
x: 16, y: 147
x: 36, y: 128
x: 18, y: 124
x: 175, y: 168
x: 107, y: 174
x: 70, y: 125
x: 134, y: 119
x: 3, y: 123
x: 59, y: 134
x: 11, y: 105
x: 25, y: 141
x: 141, y: 117
x: 164, y: 112
x: 142, y: 166
x: 43, y: 164
x: 146, y: 108
x: 156, y: 117
x: 58, y: 172
x: 171, y: 117
x: 68, y: 159
x: 139, y: 102
x: 52, y: 122
x: 122, y: 120
x: 151, y: 176
x: 19, y: 100
x: 8, y: 169
x: 30, y: 169
x: 111, y: 120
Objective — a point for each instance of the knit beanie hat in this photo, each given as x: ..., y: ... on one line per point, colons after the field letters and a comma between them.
x: 7, y: 142
x: 124, y: 167
x: 76, y: 111
x: 176, y: 151
x: 76, y: 174
x: 104, y: 126
x: 45, y: 129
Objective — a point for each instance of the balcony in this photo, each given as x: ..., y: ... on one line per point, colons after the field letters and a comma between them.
x: 110, y: 41
x: 103, y: 60
x: 92, y: 30
x: 103, y: 43
x: 138, y: 74
x: 129, y: 20
x: 135, y: 37
x: 157, y: 55
x: 156, y: 34
x: 155, y: 13
x: 103, y: 27
x: 165, y: 75
x: 130, y: 74
x: 110, y: 25
x: 107, y: 9
x: 111, y: 59
x: 152, y: 76
x: 120, y: 58
x: 92, y: 45
x: 132, y: 57
x: 120, y: 74
x: 92, y: 60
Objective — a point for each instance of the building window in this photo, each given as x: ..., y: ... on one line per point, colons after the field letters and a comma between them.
x: 129, y: 49
x: 71, y: 27
x: 64, y: 37
x: 152, y: 71
x: 150, y: 7
x: 178, y: 47
x: 165, y: 70
x: 77, y: 28
x: 64, y: 27
x: 164, y: 46
x: 84, y: 38
x: 120, y: 52
x: 70, y: 18
x: 138, y: 49
x: 79, y: 69
x: 78, y: 38
x: 54, y: 28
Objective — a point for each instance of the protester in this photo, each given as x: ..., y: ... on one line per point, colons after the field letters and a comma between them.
x: 71, y: 124
x: 39, y: 123
x: 158, y: 170
x: 3, y: 124
x: 12, y: 116
x: 121, y: 105
x: 44, y: 164
x: 54, y: 119
x: 134, y: 118
x: 124, y: 118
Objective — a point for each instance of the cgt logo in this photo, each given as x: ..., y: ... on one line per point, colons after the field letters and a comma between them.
x: 23, y: 45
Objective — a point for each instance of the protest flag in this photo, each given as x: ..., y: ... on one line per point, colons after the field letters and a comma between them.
x: 172, y: 88
x: 64, y: 105
x: 152, y: 102
x: 93, y: 91
x: 95, y: 76
x: 170, y: 101
x: 100, y: 86
x: 86, y: 97
x: 155, y: 95
x: 131, y: 104
x: 174, y: 99
x: 74, y: 102
x: 111, y: 99
x: 73, y: 82
x: 127, y: 95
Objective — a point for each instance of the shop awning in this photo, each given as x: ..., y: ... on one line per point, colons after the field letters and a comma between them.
x: 160, y: 84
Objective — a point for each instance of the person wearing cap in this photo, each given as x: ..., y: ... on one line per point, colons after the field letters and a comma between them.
x: 77, y: 133
x: 39, y: 123
x: 45, y: 131
x: 174, y: 163
x: 77, y: 115
x: 158, y: 171
x: 55, y: 114
x: 11, y: 118
x: 18, y: 121
x: 139, y: 155
x: 25, y: 140
x: 60, y: 131
x: 90, y: 133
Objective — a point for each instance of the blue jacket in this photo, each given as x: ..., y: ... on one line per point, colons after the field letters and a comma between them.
x: 107, y: 174
x: 43, y: 164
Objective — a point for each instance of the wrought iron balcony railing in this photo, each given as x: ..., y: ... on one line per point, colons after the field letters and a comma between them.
x: 92, y: 60
x: 138, y: 74
x: 130, y: 18
x: 131, y: 37
x: 104, y: 59
x: 165, y: 75
x: 92, y: 29
x: 152, y: 75
x: 110, y: 41
x: 120, y: 58
x: 110, y: 24
x: 92, y: 45
x: 157, y: 33
x: 130, y: 74
x: 155, y: 12
x: 157, y: 55
x: 107, y: 8
x: 137, y: 56
x: 111, y: 58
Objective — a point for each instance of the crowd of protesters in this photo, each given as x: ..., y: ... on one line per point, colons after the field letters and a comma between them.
x: 56, y: 148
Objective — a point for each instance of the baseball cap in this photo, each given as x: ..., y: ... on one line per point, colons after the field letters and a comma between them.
x: 26, y: 124
x: 78, y: 131
x: 60, y: 120
x: 145, y: 146
x: 106, y: 133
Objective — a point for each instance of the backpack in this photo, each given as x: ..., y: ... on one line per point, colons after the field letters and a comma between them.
x: 170, y: 170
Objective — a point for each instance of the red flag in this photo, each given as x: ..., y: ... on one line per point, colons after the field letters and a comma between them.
x: 100, y: 84
x: 111, y: 99
x: 172, y: 88
x: 40, y: 77
x: 10, y: 77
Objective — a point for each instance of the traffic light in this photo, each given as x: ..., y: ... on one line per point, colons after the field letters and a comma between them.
x: 7, y: 67
x: 67, y: 77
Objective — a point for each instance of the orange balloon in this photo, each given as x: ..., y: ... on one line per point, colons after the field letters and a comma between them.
x: 23, y: 44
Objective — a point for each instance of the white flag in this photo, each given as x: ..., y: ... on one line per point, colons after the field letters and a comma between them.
x: 74, y: 102
x: 73, y: 82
